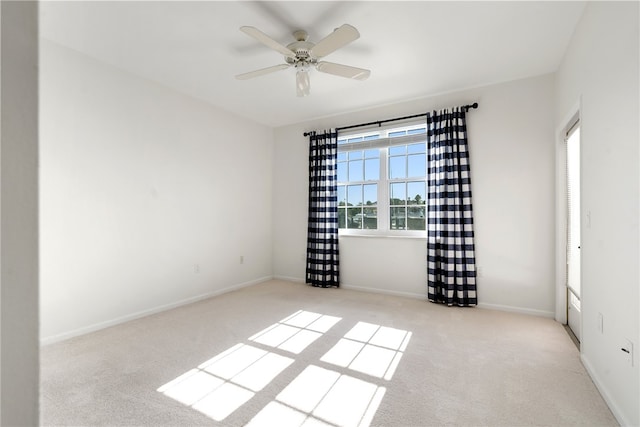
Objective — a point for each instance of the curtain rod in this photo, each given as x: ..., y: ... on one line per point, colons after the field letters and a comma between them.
x: 380, y: 122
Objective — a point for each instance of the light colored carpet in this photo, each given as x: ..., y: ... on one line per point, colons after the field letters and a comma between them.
x: 346, y: 358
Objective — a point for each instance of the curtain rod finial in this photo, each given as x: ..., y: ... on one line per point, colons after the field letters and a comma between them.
x: 469, y: 106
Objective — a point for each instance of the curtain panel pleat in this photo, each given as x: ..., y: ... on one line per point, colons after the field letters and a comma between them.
x: 322, y: 267
x: 450, y: 237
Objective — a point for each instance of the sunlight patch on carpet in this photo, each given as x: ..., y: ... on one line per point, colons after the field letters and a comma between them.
x: 370, y: 349
x: 322, y: 397
x: 224, y: 383
x: 319, y: 396
x: 296, y: 332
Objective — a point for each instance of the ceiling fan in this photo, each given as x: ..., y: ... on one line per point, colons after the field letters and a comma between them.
x: 302, y: 55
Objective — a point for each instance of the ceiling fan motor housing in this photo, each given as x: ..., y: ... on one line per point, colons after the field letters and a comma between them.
x: 301, y: 48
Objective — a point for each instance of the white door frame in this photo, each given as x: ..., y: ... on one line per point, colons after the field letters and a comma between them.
x: 572, y: 143
x: 561, y: 212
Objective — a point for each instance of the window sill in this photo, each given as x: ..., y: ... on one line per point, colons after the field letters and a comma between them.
x: 383, y: 235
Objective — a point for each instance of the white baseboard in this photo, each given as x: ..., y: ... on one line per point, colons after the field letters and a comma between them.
x: 519, y: 310
x: 384, y: 292
x: 498, y: 307
x: 289, y: 279
x: 359, y: 288
x: 102, y: 325
x: 615, y: 410
x: 106, y: 324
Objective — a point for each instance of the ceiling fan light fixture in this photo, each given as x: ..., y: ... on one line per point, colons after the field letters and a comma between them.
x: 303, y: 85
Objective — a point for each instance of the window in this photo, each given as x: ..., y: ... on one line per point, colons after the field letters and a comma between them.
x: 358, y: 196
x: 382, y: 181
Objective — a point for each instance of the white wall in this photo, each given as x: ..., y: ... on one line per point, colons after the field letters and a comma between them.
x: 600, y: 71
x: 19, y: 351
x: 511, y: 139
x: 148, y: 197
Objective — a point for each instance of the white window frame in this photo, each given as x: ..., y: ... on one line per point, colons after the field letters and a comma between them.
x: 383, y: 206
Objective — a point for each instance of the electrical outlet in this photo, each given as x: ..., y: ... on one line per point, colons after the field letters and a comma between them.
x: 628, y: 350
x: 600, y: 323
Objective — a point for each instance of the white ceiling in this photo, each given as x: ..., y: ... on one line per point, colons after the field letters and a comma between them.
x: 414, y: 49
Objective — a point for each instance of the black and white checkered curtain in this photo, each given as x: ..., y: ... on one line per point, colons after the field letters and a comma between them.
x: 322, y: 230
x: 450, y: 244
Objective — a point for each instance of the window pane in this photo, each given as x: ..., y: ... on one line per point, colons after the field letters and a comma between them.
x: 416, y: 192
x: 416, y: 218
x: 398, y: 150
x: 355, y: 170
x: 417, y: 148
x: 371, y: 137
x: 355, y: 155
x: 342, y: 172
x: 417, y: 165
x: 370, y: 194
x: 416, y: 131
x: 398, y: 193
x: 342, y: 157
x: 397, y: 220
x: 372, y: 154
x: 370, y: 218
x: 398, y: 133
x: 372, y: 170
x: 397, y: 167
x: 356, y: 139
x: 354, y: 217
x: 342, y: 215
x: 342, y: 195
x: 354, y: 195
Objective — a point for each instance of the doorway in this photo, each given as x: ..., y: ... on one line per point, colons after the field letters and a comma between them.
x: 573, y: 229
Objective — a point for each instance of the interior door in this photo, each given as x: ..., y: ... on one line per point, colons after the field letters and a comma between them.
x: 573, y: 230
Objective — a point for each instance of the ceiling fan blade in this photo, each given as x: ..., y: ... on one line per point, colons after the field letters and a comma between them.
x: 262, y: 72
x: 267, y: 41
x: 342, y: 36
x: 343, y: 70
